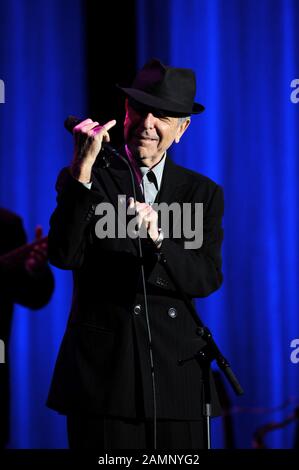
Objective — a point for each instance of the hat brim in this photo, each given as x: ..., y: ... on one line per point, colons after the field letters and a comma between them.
x: 160, y: 103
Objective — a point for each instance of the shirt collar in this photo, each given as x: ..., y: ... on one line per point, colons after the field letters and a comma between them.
x: 140, y: 171
x: 157, y: 170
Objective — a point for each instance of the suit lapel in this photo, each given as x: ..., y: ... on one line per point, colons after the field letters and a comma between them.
x: 116, y: 181
x: 173, y: 188
x: 172, y: 185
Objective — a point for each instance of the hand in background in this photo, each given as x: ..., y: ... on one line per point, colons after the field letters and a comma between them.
x: 37, y: 258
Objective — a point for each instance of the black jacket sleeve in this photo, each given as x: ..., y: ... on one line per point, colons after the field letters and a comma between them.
x: 197, y: 271
x: 70, y: 220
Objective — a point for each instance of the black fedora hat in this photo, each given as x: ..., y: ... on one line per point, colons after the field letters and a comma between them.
x: 165, y: 88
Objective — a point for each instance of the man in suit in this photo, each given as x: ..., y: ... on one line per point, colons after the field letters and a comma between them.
x: 118, y: 377
x: 26, y: 279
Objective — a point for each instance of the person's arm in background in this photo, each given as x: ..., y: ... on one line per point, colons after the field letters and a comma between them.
x: 27, y: 281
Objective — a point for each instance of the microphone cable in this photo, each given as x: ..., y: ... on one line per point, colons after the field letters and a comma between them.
x: 106, y: 152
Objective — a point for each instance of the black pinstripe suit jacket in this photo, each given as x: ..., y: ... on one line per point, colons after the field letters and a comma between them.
x: 104, y: 364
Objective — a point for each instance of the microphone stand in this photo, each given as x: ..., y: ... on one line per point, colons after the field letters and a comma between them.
x: 204, y: 357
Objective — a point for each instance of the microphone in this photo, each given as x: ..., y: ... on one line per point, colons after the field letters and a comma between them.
x: 106, y: 150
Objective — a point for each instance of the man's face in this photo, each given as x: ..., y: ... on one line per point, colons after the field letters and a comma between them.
x: 149, y: 133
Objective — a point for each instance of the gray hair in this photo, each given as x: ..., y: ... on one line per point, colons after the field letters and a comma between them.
x: 183, y: 119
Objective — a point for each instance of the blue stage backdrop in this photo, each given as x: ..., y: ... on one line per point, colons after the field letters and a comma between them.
x: 245, y: 54
x: 245, y: 57
x: 43, y: 69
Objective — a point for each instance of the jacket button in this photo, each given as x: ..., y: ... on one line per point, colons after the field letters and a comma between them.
x: 172, y: 312
x: 161, y: 282
x: 137, y: 309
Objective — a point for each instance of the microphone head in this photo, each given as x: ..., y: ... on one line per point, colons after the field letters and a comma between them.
x: 71, y: 122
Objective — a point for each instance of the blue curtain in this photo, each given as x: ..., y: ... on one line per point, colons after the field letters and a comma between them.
x: 43, y: 70
x: 245, y: 54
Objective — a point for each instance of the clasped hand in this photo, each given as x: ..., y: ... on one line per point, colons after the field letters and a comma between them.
x: 146, y: 216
